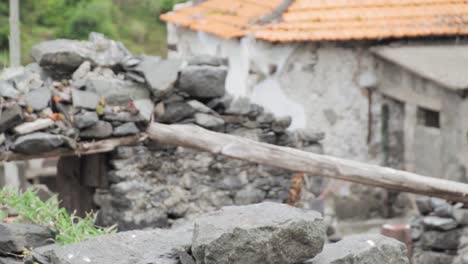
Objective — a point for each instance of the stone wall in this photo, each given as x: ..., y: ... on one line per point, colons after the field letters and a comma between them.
x: 440, y: 233
x: 155, y: 186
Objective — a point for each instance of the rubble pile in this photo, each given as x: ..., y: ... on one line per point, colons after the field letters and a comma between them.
x: 440, y: 234
x: 96, y: 89
x: 259, y: 233
x: 75, y: 90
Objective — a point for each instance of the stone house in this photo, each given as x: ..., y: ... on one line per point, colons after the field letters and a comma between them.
x: 385, y: 80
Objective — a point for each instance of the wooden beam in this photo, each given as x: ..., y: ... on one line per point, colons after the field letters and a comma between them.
x: 83, y: 148
x: 301, y: 161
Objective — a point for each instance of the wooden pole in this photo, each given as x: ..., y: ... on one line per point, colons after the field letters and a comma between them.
x: 301, y: 161
x: 15, y: 44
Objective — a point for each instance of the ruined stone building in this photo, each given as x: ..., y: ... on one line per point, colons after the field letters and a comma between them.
x: 385, y: 80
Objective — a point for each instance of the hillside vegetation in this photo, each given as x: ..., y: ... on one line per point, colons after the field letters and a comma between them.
x: 134, y: 22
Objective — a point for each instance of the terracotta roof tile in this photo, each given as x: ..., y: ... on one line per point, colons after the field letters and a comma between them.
x: 224, y: 18
x: 328, y: 20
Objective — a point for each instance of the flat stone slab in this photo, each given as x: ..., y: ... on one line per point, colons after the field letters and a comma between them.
x: 39, y: 99
x: 439, y: 223
x: 15, y: 238
x: 84, y: 99
x: 38, y: 142
x: 101, y: 129
x: 259, y: 233
x: 363, y: 249
x: 140, y: 247
x: 126, y: 129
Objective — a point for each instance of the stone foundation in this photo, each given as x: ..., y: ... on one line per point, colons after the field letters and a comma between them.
x: 156, y: 186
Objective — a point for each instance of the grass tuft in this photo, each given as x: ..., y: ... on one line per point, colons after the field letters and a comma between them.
x: 68, y: 228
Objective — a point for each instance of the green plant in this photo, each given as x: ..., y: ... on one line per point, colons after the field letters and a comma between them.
x: 67, y: 228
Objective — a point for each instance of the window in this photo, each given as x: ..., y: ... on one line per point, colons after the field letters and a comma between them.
x: 428, y: 118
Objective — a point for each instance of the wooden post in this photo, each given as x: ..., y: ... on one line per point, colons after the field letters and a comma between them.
x: 77, y: 180
x: 301, y: 161
x: 15, y: 44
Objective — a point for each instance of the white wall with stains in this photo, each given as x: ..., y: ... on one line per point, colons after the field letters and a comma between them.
x: 316, y: 84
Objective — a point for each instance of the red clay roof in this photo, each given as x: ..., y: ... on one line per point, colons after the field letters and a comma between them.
x: 224, y: 18
x: 327, y: 20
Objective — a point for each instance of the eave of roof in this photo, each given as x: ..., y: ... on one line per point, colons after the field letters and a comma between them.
x: 446, y: 65
x: 327, y: 20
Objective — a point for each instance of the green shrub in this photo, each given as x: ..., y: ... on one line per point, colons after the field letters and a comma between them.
x: 67, y: 228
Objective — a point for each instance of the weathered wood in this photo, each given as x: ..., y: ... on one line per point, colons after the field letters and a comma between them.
x: 15, y: 45
x: 83, y: 148
x: 301, y: 161
x: 74, y: 194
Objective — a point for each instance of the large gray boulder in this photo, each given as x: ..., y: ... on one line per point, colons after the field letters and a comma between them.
x: 62, y: 56
x: 203, y: 81
x: 137, y: 247
x: 260, y: 233
x: 363, y: 249
x: 15, y: 238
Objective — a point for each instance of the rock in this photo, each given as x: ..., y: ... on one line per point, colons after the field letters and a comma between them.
x: 160, y: 74
x: 174, y: 112
x: 10, y: 261
x: 208, y: 60
x: 208, y: 121
x: 116, y: 91
x: 363, y: 249
x: 441, y: 208
x: 62, y: 57
x: 7, y: 90
x: 11, y: 117
x: 126, y: 129
x: 203, y: 81
x: 15, y: 238
x: 437, y: 240
x: 84, y: 99
x: 417, y: 228
x: 39, y: 99
x: 439, y: 223
x: 200, y: 107
x: 135, y: 77
x: 155, y: 246
x: 260, y: 233
x: 249, y: 196
x: 461, y: 215
x: 82, y: 71
x: 145, y: 107
x: 38, y: 142
x: 280, y: 125
x: 123, y: 117
x: 37, y: 125
x: 431, y: 257
x: 424, y: 205
x: 86, y: 119
x: 101, y: 129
